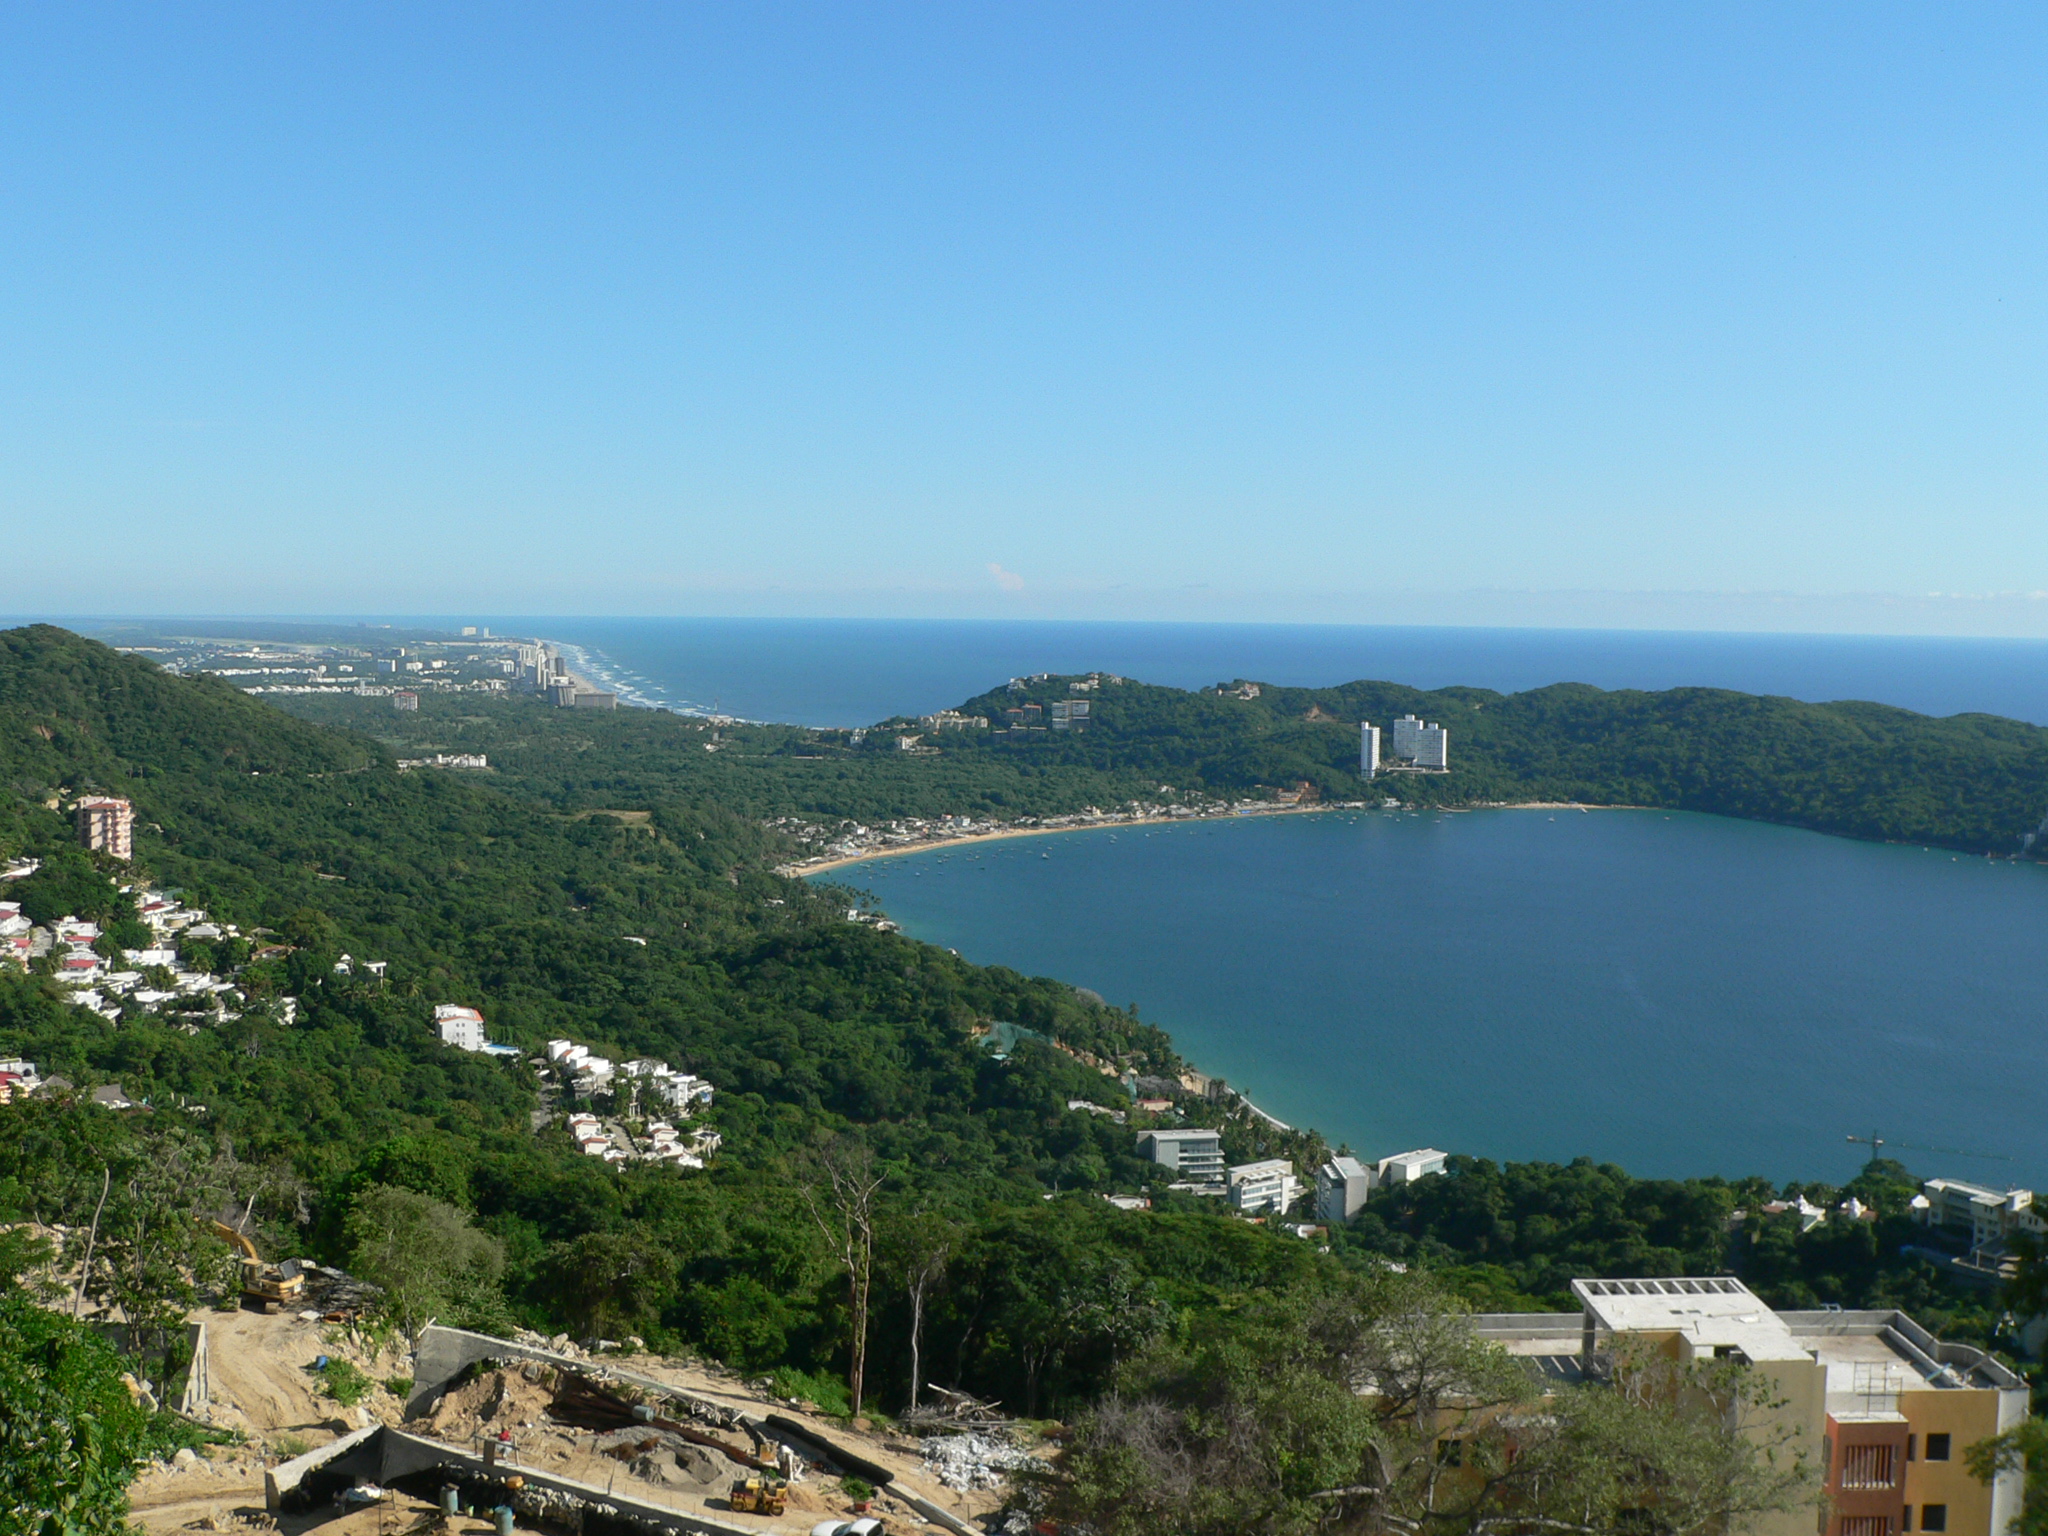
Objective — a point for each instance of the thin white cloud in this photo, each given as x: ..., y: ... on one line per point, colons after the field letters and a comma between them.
x: 1009, y: 581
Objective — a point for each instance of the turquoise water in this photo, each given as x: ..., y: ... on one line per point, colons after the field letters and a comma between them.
x: 1678, y: 994
x: 858, y: 671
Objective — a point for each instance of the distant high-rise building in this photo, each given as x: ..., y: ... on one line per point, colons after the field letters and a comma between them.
x: 1422, y: 746
x: 107, y: 826
x: 1342, y: 1186
x: 1368, y: 749
x: 405, y: 699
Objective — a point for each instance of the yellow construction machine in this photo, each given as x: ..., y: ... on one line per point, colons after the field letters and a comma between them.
x: 266, y: 1286
x: 759, y: 1495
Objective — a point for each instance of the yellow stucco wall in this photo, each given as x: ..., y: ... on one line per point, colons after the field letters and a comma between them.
x: 1966, y: 1417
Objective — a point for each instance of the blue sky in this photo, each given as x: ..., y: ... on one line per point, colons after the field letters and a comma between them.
x: 1666, y: 315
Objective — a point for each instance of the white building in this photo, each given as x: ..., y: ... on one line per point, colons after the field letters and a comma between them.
x: 1196, y: 1155
x: 1990, y: 1216
x: 1407, y: 1167
x: 1342, y: 1187
x: 680, y: 1090
x: 1263, y: 1188
x: 460, y: 1027
x: 1368, y: 749
x: 1420, y: 745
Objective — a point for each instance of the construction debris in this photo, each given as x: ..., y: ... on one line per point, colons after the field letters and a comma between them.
x: 947, y: 1411
x: 974, y: 1459
x: 337, y: 1296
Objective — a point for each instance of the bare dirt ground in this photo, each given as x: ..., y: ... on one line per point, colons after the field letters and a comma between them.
x: 262, y: 1387
x: 680, y: 1475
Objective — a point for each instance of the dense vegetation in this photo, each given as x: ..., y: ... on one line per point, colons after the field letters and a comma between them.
x: 1865, y: 770
x: 1972, y: 782
x: 354, y: 1136
x: 1512, y: 1237
x: 811, y: 1026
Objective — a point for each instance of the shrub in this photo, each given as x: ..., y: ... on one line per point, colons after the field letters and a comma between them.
x: 819, y: 1387
x: 343, y: 1382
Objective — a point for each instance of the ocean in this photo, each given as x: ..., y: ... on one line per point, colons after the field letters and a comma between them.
x: 856, y: 671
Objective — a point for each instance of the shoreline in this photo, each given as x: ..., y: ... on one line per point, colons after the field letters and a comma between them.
x: 810, y: 867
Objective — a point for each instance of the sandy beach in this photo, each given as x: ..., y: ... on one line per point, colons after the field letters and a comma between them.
x: 931, y: 845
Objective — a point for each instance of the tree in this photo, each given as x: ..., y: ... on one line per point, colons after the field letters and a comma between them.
x: 146, y: 1253
x: 917, y: 1247
x: 70, y: 884
x: 422, y: 1251
x: 609, y: 1283
x: 839, y: 1191
x: 70, y: 1434
x: 1376, y: 1409
x: 2023, y: 1447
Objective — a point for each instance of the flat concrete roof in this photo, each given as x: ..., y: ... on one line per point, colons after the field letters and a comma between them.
x: 1869, y: 1357
x: 1716, y: 1313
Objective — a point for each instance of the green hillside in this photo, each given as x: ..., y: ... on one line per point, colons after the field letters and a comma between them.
x: 1977, y: 783
x: 1974, y: 782
x: 810, y: 1026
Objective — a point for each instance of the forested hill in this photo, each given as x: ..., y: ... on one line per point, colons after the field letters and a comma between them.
x: 1975, y: 782
x: 666, y: 935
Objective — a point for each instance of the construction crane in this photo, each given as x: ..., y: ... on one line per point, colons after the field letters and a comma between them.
x: 1876, y: 1143
x: 268, y: 1286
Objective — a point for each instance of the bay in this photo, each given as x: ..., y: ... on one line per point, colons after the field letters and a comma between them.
x: 1678, y: 994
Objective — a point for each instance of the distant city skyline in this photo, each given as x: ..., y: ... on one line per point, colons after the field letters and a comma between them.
x: 1724, y: 317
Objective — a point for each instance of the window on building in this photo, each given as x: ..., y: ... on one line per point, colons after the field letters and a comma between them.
x: 1933, y: 1517
x: 1906, y: 1518
x: 1911, y: 1442
x: 1867, y: 1466
x: 1937, y: 1447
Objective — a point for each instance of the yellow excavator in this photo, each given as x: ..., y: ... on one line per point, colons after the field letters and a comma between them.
x: 265, y: 1286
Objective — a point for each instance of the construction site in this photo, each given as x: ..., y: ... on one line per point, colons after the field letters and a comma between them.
x: 539, y: 1435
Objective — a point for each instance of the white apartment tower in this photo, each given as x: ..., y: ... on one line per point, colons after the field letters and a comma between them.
x: 1423, y: 746
x: 1342, y: 1187
x: 107, y: 826
x: 1368, y: 749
